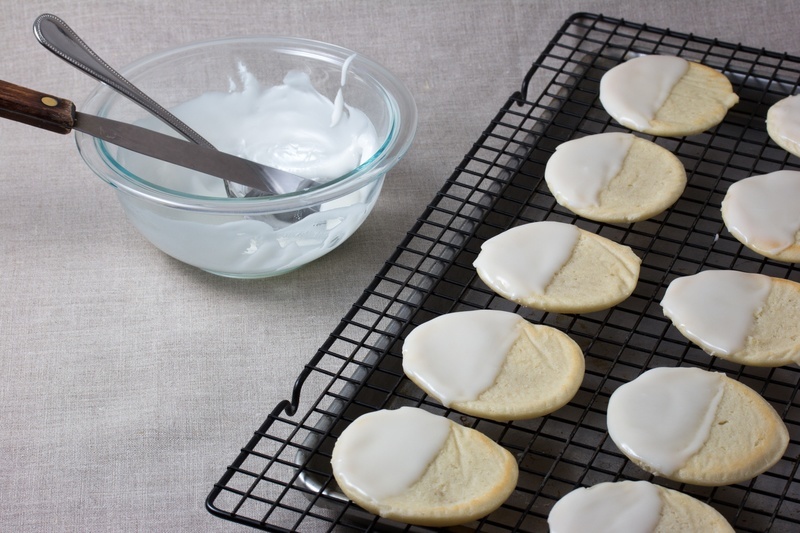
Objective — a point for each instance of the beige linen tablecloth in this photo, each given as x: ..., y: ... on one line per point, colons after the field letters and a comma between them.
x: 129, y: 381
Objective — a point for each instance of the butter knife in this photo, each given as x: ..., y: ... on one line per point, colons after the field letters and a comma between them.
x: 59, y: 115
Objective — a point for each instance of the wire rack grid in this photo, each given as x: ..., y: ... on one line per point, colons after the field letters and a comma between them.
x: 281, y: 479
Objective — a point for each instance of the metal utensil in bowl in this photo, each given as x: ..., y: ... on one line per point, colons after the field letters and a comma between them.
x: 55, y: 35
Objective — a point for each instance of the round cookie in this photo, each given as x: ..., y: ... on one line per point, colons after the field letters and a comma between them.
x: 494, y: 364
x: 694, y: 426
x: 750, y: 319
x: 783, y: 124
x: 558, y: 267
x: 666, y: 95
x: 762, y: 213
x: 633, y: 506
x: 615, y: 177
x: 432, y: 471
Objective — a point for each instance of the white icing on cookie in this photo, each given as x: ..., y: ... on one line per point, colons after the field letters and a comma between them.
x: 634, y: 91
x: 783, y: 123
x: 524, y: 259
x: 664, y: 416
x: 381, y: 454
x: 581, y: 168
x: 763, y: 212
x: 459, y: 355
x: 630, y: 506
x: 716, y: 309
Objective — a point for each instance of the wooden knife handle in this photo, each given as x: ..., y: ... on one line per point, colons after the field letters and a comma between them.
x: 35, y: 108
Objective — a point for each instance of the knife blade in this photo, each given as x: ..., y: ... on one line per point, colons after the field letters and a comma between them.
x: 59, y: 115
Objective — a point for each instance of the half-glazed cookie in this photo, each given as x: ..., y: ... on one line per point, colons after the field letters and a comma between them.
x: 763, y: 213
x: 750, y: 319
x: 694, y: 426
x: 558, y: 267
x: 783, y: 124
x: 494, y: 364
x: 412, y: 466
x: 634, y: 506
x: 666, y: 95
x: 614, y: 177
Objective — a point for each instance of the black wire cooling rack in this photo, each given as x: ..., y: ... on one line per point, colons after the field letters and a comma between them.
x: 281, y: 480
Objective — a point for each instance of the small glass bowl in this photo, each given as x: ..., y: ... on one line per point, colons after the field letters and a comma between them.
x: 261, y: 236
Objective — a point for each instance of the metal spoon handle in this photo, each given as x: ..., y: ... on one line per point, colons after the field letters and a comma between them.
x: 54, y: 34
x: 59, y: 38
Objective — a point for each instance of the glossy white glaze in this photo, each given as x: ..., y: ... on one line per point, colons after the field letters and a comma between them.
x: 581, y: 168
x: 459, y: 355
x: 524, y: 259
x: 634, y: 91
x: 629, y: 506
x: 664, y: 416
x: 383, y: 453
x: 716, y: 309
x: 289, y: 126
x: 764, y: 211
x: 783, y: 120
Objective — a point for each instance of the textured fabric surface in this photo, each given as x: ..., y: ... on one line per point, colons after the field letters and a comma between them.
x: 129, y: 381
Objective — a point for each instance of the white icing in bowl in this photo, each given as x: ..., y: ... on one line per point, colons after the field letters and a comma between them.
x: 252, y: 237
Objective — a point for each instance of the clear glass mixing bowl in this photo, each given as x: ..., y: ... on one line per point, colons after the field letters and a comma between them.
x: 248, y: 237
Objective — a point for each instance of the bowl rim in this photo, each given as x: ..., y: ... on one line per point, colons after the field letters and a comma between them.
x: 402, y: 130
